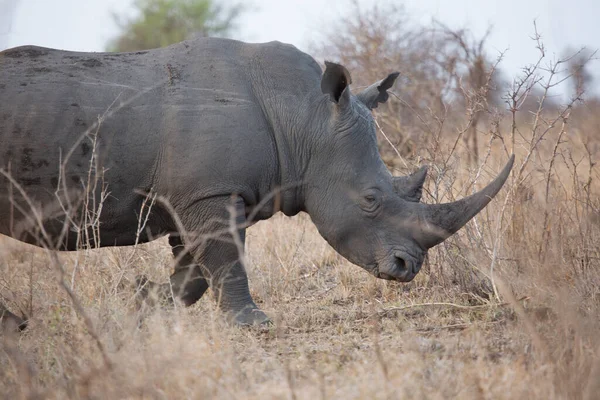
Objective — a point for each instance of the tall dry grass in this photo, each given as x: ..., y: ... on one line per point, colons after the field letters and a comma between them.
x: 507, y: 308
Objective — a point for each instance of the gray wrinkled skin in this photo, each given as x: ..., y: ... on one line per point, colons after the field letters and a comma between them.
x: 207, y: 127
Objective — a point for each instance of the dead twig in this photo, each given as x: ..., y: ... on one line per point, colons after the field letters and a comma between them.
x: 443, y: 304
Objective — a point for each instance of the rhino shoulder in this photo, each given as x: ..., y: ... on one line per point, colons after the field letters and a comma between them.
x: 26, y: 52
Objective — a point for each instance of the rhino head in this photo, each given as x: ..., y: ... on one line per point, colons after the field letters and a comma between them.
x: 370, y: 217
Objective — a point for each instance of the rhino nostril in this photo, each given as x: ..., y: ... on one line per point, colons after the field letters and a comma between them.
x: 400, y: 263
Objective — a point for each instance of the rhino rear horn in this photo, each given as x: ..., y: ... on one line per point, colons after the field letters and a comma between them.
x: 377, y: 92
x: 410, y: 187
x: 439, y: 221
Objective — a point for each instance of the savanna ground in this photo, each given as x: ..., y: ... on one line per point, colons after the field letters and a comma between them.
x: 509, y: 307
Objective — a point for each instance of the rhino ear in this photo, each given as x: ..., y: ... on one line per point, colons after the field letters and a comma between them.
x: 410, y: 187
x: 335, y: 82
x: 377, y: 92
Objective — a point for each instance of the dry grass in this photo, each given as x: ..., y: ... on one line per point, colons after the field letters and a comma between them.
x: 339, y: 332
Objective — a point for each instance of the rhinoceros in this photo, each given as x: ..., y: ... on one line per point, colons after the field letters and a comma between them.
x: 197, y: 141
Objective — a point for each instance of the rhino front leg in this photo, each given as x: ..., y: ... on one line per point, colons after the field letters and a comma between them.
x: 217, y: 248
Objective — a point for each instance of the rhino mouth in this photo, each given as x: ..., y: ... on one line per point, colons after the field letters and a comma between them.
x: 397, y: 266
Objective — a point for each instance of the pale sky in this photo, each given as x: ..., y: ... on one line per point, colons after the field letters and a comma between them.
x: 87, y: 24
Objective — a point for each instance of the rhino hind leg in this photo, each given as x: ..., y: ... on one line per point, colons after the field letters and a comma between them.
x: 187, y: 282
x: 151, y: 294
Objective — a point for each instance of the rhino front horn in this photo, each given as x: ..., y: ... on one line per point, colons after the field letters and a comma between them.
x: 439, y: 221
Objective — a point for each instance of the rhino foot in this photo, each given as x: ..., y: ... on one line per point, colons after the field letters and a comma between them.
x: 250, y: 316
x: 11, y: 322
x: 151, y: 295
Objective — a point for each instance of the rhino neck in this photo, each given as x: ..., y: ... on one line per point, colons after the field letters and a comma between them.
x: 286, y: 85
x: 290, y: 134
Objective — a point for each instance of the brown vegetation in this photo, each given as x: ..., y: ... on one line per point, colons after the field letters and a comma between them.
x: 509, y: 307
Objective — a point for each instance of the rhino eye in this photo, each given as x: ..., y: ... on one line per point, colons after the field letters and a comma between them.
x: 370, y: 201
